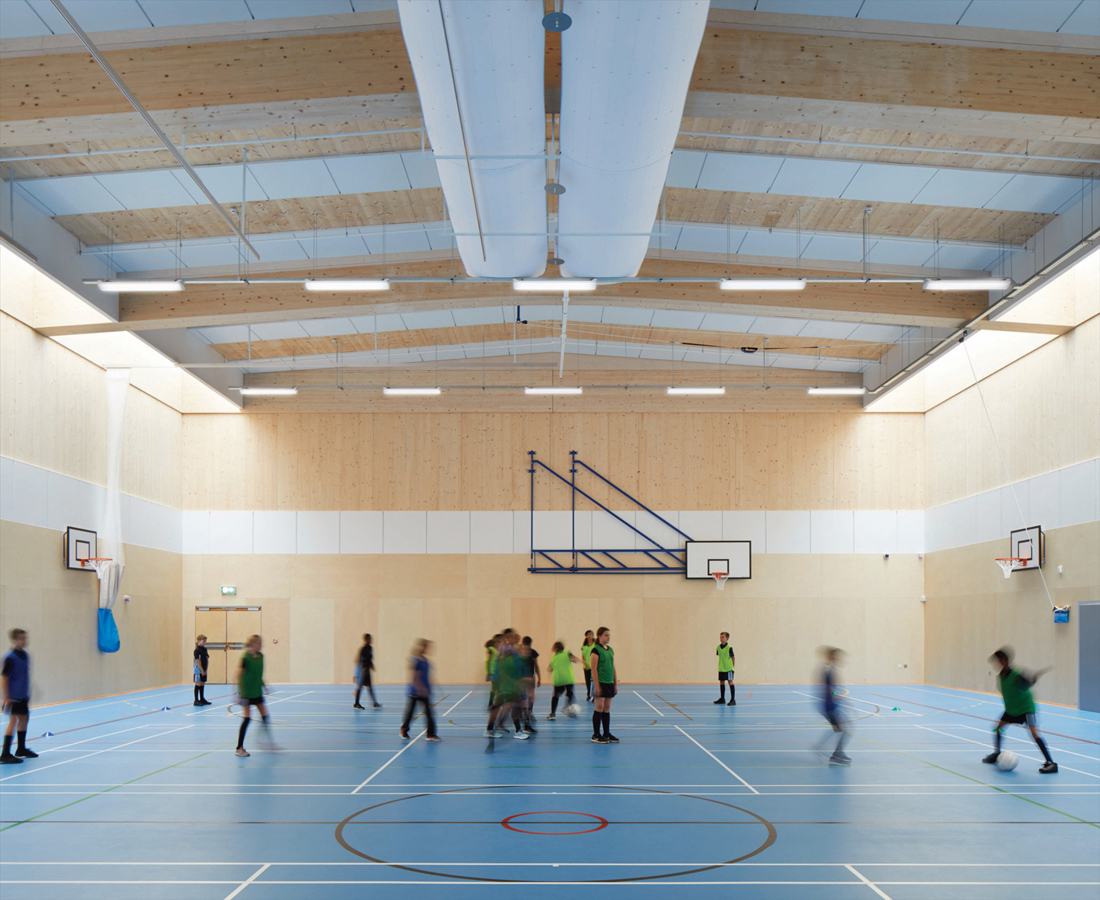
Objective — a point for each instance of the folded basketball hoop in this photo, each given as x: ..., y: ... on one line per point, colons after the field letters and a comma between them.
x: 99, y: 563
x: 720, y: 579
x: 1010, y: 563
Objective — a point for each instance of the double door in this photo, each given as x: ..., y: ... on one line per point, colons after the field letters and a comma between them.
x: 227, y: 628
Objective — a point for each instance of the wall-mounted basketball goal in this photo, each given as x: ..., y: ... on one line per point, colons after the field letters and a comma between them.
x: 673, y: 552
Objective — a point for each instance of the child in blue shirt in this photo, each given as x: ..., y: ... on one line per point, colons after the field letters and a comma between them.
x: 16, y: 683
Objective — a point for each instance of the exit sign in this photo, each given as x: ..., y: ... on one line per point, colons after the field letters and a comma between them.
x: 229, y: 589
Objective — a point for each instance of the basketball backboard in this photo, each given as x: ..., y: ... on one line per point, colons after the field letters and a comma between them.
x: 704, y: 558
x: 79, y: 544
x: 1028, y: 544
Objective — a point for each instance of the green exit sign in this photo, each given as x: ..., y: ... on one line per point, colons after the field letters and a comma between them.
x: 229, y: 589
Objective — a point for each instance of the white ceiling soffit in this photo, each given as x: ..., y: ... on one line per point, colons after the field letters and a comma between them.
x: 493, y: 109
x: 625, y: 74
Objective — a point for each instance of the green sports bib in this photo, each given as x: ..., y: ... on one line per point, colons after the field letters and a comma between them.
x: 725, y: 658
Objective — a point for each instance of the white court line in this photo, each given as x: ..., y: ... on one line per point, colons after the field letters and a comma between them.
x: 277, y: 793
x: 1013, y: 737
x: 601, y: 864
x: 406, y: 747
x: 959, y: 737
x: 650, y: 705
x: 260, y: 871
x: 97, y: 752
x: 93, y: 738
x: 74, y: 707
x: 628, y: 884
x: 869, y: 884
x: 716, y: 759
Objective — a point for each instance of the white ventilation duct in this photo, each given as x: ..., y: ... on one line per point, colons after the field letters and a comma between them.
x: 493, y: 106
x: 626, y: 67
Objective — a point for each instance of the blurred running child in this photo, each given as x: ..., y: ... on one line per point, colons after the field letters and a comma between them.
x: 725, y: 655
x: 250, y: 688
x: 586, y: 652
x: 530, y: 678
x: 492, y: 655
x: 16, y: 683
x: 830, y: 708
x: 200, y: 668
x: 363, y: 678
x: 561, y: 670
x: 420, y: 690
x: 507, y: 696
x: 605, y: 683
x: 1015, y: 687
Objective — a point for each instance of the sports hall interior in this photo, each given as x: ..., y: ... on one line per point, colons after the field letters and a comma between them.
x: 921, y: 176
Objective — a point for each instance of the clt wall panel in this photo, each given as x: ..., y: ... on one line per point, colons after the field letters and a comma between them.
x: 461, y: 461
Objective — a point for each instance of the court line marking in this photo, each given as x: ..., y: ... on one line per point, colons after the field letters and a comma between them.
x: 1023, y: 794
x: 601, y: 864
x: 384, y: 765
x: 650, y: 705
x: 1013, y: 737
x: 674, y: 706
x: 631, y: 884
x: 1024, y: 755
x: 97, y: 752
x: 716, y: 759
x: 867, y: 882
x: 94, y: 737
x: 260, y: 871
x: 981, y: 698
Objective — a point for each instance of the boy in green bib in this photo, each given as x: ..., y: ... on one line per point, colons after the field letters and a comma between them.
x: 561, y: 670
x: 1015, y: 688
x: 725, y: 655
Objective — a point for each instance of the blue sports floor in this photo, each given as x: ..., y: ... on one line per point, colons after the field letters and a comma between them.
x: 129, y: 800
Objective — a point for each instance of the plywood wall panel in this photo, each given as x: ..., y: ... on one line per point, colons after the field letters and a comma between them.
x: 441, y: 461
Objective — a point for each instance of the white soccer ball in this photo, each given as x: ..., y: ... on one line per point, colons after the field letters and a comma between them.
x: 572, y: 709
x: 1007, y: 761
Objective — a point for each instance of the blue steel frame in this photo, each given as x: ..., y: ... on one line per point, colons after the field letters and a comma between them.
x: 657, y: 560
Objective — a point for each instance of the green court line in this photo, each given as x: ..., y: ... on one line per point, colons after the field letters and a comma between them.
x: 992, y: 787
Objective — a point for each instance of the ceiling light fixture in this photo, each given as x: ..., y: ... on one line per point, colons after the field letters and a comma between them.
x: 553, y: 390
x: 347, y: 284
x: 411, y: 391
x: 553, y: 284
x: 139, y: 287
x: 846, y: 391
x: 268, y: 391
x: 967, y: 284
x: 696, y: 390
x: 762, y: 284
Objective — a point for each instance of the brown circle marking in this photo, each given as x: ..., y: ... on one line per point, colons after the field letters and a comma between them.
x: 768, y: 841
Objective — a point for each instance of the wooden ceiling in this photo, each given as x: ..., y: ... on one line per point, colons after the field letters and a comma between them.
x: 909, y: 97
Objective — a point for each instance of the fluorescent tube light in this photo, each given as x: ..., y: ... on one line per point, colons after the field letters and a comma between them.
x: 553, y: 284
x: 847, y: 391
x: 762, y: 284
x: 139, y: 287
x: 967, y: 284
x: 696, y: 390
x: 268, y: 391
x: 411, y: 392
x: 553, y: 390
x: 347, y: 284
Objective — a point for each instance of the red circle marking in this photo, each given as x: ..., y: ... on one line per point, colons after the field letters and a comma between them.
x: 557, y: 812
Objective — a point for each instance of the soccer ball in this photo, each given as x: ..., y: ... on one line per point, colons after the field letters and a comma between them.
x: 572, y: 709
x: 1007, y: 761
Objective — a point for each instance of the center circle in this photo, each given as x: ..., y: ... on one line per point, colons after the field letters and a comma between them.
x: 507, y: 823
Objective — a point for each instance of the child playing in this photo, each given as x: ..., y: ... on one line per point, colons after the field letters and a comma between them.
x: 586, y: 652
x: 420, y: 690
x: 561, y: 669
x: 492, y: 655
x: 725, y: 655
x: 530, y: 678
x: 250, y: 688
x: 365, y: 665
x: 507, y: 694
x: 16, y: 683
x: 830, y: 709
x: 200, y: 668
x: 1015, y: 688
x: 605, y: 684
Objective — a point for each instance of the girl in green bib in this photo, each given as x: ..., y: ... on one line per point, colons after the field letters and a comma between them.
x: 561, y: 670
x: 726, y: 659
x: 250, y: 688
x: 586, y: 652
x: 605, y: 683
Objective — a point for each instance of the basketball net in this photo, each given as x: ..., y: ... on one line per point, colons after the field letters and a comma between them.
x: 720, y: 579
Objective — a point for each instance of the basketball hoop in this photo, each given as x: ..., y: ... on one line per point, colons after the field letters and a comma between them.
x: 1010, y: 563
x: 720, y: 579
x: 99, y: 563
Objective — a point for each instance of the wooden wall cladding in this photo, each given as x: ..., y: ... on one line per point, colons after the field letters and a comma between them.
x: 53, y: 405
x: 1045, y: 408
x: 459, y: 461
